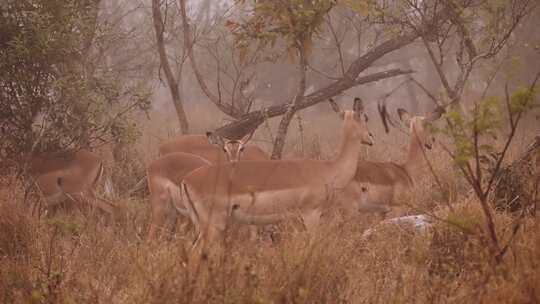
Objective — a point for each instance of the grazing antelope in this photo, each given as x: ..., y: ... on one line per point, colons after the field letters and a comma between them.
x: 212, y: 146
x: 164, y: 176
x: 265, y: 192
x: 376, y: 183
x: 69, y: 176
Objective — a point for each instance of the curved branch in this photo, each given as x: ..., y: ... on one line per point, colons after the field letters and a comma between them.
x: 188, y: 46
x: 249, y: 122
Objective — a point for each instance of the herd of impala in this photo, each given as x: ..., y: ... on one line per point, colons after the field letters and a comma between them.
x: 213, y: 180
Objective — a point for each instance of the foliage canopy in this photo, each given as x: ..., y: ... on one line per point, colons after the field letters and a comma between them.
x: 53, y: 94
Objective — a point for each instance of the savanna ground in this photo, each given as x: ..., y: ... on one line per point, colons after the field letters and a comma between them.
x: 80, y: 259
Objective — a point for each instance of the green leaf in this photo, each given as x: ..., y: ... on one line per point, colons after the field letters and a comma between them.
x: 521, y: 100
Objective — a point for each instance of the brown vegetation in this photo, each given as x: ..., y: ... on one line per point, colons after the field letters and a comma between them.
x: 69, y: 259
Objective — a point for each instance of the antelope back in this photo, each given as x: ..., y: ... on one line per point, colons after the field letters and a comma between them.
x: 174, y: 166
x: 212, y: 148
x: 74, y: 173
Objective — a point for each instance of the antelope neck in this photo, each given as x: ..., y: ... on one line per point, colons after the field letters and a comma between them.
x: 345, y: 163
x: 415, y: 155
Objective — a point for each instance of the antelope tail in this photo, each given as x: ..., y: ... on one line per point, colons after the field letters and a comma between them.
x: 59, y: 182
x: 108, y: 189
x: 188, y: 204
x: 98, y: 177
x: 177, y: 197
x: 192, y: 211
x: 141, y: 184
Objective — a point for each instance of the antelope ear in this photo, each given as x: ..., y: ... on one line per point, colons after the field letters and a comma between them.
x: 213, y: 138
x: 383, y: 113
x: 335, y: 107
x: 404, y: 116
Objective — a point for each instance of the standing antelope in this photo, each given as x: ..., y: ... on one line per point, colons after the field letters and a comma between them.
x: 376, y: 183
x: 69, y: 176
x: 181, y: 156
x: 264, y: 192
x: 164, y: 176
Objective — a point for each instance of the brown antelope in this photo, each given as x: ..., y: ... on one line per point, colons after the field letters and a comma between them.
x: 265, y: 192
x: 164, y: 176
x: 182, y: 155
x: 376, y: 183
x: 214, y: 148
x: 69, y: 176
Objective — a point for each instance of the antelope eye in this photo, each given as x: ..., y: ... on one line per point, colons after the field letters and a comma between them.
x: 241, y: 149
x: 224, y: 149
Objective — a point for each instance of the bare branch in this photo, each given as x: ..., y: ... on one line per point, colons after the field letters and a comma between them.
x: 188, y: 45
x: 338, y: 44
x: 159, y: 28
x: 257, y: 117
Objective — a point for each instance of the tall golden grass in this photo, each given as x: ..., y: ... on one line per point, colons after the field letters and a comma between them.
x: 80, y: 259
x: 75, y: 260
x: 72, y: 259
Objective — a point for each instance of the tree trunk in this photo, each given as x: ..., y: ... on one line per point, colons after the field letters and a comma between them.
x: 279, y: 142
x: 159, y: 28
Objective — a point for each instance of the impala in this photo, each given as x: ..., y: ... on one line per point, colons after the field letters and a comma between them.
x: 69, y: 176
x: 164, y: 175
x: 214, y: 148
x: 181, y: 156
x: 265, y: 192
x: 376, y: 183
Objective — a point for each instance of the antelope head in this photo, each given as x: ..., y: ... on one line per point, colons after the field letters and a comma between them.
x: 233, y: 148
x: 362, y: 118
x: 359, y: 116
x: 419, y: 125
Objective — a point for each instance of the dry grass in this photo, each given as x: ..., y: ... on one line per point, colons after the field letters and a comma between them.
x: 73, y: 259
